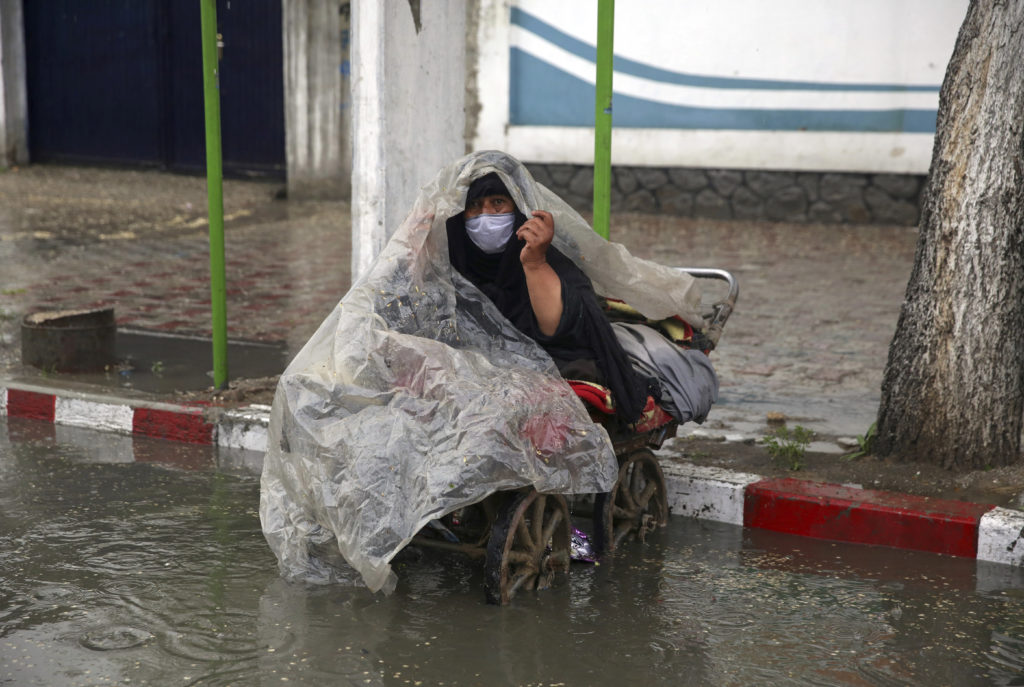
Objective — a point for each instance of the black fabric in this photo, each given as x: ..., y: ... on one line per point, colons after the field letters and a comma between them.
x: 583, y: 333
x: 487, y: 185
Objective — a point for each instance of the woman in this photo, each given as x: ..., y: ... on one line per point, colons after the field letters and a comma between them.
x: 509, y: 257
x: 415, y: 398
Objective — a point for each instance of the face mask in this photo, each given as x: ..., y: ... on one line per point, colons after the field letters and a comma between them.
x: 490, y: 233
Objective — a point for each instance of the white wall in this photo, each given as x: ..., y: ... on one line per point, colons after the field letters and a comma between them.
x: 844, y: 85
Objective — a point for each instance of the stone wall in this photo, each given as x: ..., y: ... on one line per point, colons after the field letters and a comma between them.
x: 738, y: 194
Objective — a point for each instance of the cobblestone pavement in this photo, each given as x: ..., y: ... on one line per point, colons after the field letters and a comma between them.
x: 817, y: 310
x: 809, y: 338
x: 137, y: 241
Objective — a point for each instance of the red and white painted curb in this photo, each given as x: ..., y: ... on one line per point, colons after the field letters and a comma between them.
x: 846, y: 513
x: 813, y: 509
x: 195, y: 424
x: 160, y: 420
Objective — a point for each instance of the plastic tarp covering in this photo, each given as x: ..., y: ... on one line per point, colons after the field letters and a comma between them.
x: 416, y: 397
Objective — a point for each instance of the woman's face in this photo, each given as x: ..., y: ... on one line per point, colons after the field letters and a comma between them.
x: 489, y: 205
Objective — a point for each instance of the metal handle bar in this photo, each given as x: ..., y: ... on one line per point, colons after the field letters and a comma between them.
x: 720, y: 310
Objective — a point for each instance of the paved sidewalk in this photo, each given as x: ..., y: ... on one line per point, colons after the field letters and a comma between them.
x: 137, y: 240
x: 809, y: 337
x: 817, y: 310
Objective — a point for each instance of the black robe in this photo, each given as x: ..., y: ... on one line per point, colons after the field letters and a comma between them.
x: 584, y: 346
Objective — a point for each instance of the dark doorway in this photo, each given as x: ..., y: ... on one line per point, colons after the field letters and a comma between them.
x: 120, y: 81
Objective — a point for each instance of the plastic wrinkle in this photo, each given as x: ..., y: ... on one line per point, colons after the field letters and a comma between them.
x: 415, y: 397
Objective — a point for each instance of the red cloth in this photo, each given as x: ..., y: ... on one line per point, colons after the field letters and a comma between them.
x: 600, y: 397
x: 654, y: 416
x: 596, y: 395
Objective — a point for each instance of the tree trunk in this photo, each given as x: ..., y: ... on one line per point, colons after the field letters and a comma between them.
x: 953, y: 392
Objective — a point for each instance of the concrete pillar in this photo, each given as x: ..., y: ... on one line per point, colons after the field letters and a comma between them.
x: 317, y: 110
x: 489, y: 75
x: 13, y: 95
x: 408, y: 93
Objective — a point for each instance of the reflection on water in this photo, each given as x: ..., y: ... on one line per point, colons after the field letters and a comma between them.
x: 156, y: 573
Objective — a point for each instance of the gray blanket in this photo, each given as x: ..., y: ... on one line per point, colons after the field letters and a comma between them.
x: 688, y: 381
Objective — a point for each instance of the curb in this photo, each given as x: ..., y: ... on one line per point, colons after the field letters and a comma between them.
x: 244, y: 428
x: 805, y: 508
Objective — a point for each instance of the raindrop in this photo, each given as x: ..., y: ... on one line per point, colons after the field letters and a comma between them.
x: 128, y: 587
x: 114, y: 637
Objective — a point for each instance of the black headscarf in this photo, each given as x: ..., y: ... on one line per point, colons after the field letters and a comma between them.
x: 584, y: 333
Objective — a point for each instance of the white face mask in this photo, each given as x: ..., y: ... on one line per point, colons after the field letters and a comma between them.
x: 490, y: 233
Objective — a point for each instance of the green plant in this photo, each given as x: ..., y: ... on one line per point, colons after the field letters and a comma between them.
x: 788, y: 445
x: 865, y: 445
x: 157, y: 368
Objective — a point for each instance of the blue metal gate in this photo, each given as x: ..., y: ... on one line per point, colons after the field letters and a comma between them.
x: 120, y: 81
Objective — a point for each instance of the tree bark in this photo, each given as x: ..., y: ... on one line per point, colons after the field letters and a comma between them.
x: 953, y: 391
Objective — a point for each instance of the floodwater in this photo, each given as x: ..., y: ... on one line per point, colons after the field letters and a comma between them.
x: 161, y: 362
x: 130, y: 562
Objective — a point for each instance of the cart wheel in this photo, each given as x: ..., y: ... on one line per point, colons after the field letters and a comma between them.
x: 635, y: 505
x: 529, y: 543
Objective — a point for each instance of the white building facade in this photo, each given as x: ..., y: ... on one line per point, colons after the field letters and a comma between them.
x: 749, y: 84
x: 841, y: 93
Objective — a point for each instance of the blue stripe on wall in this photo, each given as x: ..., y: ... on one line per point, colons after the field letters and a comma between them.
x: 530, y: 23
x: 542, y: 95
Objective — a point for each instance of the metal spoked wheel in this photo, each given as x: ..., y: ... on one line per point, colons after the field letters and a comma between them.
x: 529, y: 544
x: 636, y: 504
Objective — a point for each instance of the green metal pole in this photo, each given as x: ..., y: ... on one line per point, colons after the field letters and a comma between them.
x: 603, y: 117
x: 215, y: 192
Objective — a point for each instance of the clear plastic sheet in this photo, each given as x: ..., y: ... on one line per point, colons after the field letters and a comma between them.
x: 415, y: 397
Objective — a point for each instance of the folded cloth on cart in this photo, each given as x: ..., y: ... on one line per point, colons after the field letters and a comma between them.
x: 416, y: 397
x: 689, y: 384
x: 599, y: 398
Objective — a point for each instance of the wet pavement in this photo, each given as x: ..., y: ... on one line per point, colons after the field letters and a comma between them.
x: 809, y: 338
x: 137, y: 241
x: 155, y: 572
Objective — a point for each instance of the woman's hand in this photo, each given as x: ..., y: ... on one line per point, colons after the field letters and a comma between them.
x: 537, y: 232
x: 544, y: 286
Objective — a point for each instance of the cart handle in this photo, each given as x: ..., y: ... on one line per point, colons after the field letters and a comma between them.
x: 720, y: 310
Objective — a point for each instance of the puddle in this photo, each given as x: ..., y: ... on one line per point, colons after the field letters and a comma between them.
x: 143, y: 573
x: 157, y: 362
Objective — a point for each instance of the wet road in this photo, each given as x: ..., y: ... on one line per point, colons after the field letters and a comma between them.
x: 142, y: 564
